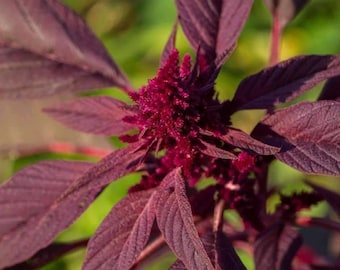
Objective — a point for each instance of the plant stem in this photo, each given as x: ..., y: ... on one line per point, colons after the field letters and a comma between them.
x: 149, y: 250
x: 318, y: 222
x: 218, y: 216
x: 276, y: 39
x: 53, y: 148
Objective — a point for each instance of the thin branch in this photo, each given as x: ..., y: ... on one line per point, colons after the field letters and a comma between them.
x: 218, y: 216
x: 52, y: 148
x: 276, y: 39
x: 149, y: 250
x: 318, y: 222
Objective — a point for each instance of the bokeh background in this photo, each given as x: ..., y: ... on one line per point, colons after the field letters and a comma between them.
x: 134, y: 32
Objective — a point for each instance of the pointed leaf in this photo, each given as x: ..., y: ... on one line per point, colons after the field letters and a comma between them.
x: 309, y: 133
x: 45, y: 48
x: 286, y: 10
x: 219, y: 250
x: 24, y: 198
x: 39, y: 229
x: 276, y: 247
x: 331, y: 197
x: 331, y: 90
x: 285, y: 81
x: 112, y: 167
x: 175, y: 221
x: 49, y: 254
x: 242, y: 140
x: 170, y: 45
x: 213, y: 25
x: 213, y: 151
x: 123, y: 233
x: 96, y: 115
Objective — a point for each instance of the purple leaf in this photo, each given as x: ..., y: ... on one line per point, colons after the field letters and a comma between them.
x: 285, y: 81
x: 49, y: 254
x: 175, y: 221
x: 220, y: 251
x: 112, y: 167
x: 213, y: 25
x: 276, y: 247
x: 331, y: 197
x: 32, y: 232
x: 123, y: 234
x: 286, y: 10
x: 242, y: 140
x: 213, y: 151
x: 96, y: 115
x: 331, y: 90
x: 45, y: 48
x: 309, y: 133
x: 26, y: 204
x: 170, y: 45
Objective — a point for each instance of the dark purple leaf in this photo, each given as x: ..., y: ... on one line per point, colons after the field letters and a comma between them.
x: 26, y: 204
x: 276, y: 247
x: 331, y: 90
x: 35, y: 231
x: 213, y: 151
x: 331, y: 197
x: 213, y: 25
x: 170, y: 45
x: 112, y: 167
x: 333, y: 266
x: 285, y: 81
x: 49, y: 254
x: 96, y: 115
x: 309, y: 133
x: 175, y: 221
x: 219, y: 250
x: 286, y: 10
x: 123, y: 234
x: 242, y: 140
x: 45, y: 49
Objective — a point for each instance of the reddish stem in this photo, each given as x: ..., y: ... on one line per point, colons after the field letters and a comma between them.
x: 318, y: 222
x: 53, y: 148
x: 276, y: 39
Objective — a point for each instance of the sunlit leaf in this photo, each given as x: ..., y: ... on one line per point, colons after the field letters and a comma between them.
x: 309, y: 133
x: 285, y: 81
